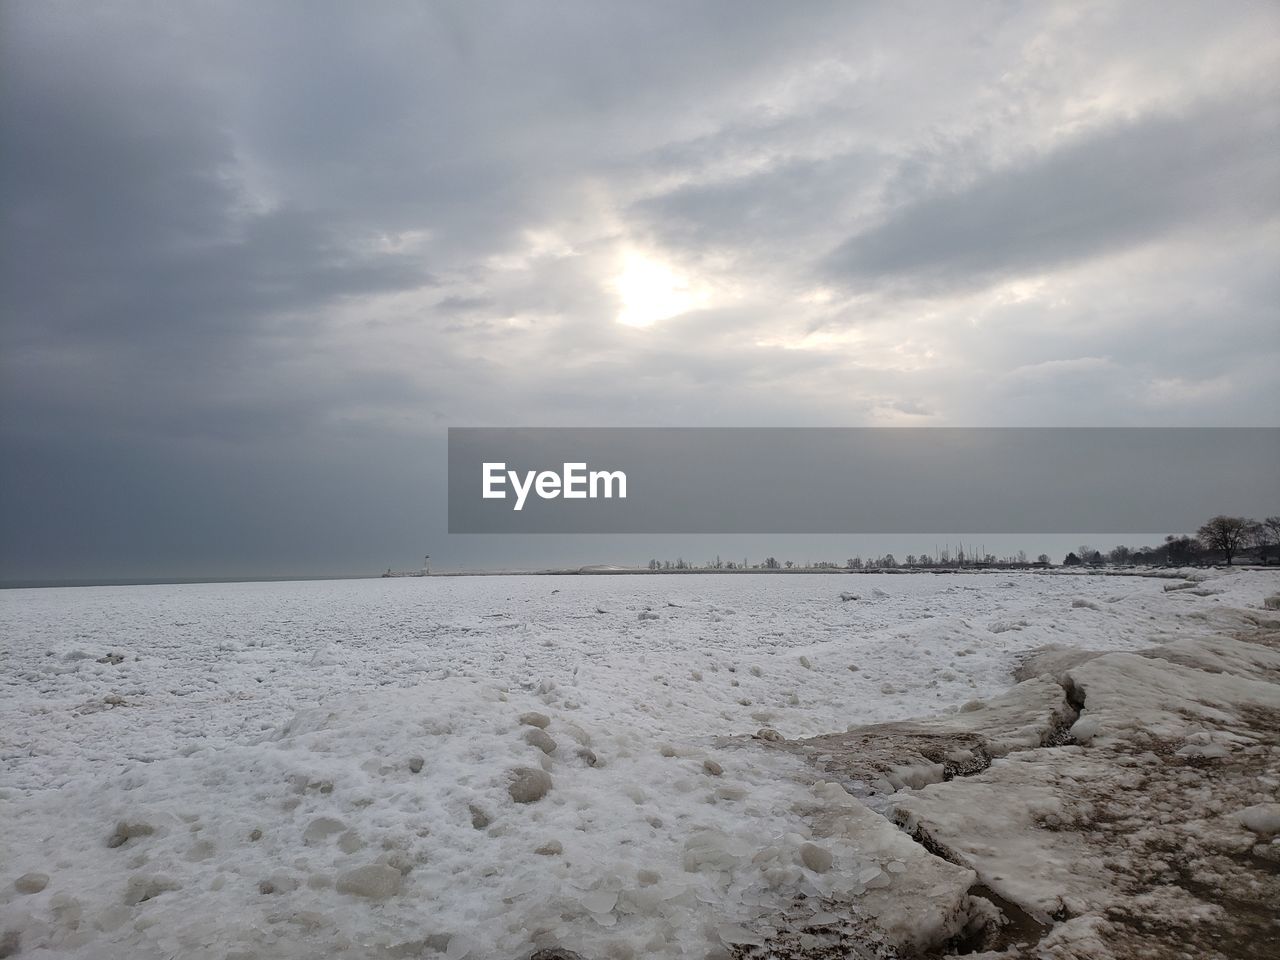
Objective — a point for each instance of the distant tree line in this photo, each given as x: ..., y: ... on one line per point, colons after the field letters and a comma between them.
x: 1221, y: 539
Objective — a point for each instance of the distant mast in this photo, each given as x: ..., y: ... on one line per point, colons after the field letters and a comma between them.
x: 426, y: 565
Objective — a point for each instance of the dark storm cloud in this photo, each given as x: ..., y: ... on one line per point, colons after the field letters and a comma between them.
x: 1118, y: 188
x: 136, y: 283
x: 250, y: 246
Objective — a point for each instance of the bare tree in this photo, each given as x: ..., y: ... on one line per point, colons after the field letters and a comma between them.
x: 1227, y: 534
x: 1180, y: 550
x: 1265, y: 536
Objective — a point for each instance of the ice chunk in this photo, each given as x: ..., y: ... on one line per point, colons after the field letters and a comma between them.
x: 1261, y: 817
x: 321, y: 828
x: 375, y: 881
x: 1085, y: 729
x: 732, y: 933
x: 31, y: 882
x: 816, y: 858
x: 540, y: 739
x: 600, y: 901
x: 528, y: 784
x: 141, y: 888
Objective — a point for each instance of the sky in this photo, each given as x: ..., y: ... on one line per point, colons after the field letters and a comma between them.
x: 256, y: 258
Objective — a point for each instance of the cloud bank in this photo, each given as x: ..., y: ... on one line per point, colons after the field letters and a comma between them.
x: 257, y: 257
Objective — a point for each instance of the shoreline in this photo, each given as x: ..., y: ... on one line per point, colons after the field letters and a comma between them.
x: 589, y: 571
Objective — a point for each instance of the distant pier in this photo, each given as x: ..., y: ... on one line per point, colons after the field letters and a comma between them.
x: 424, y: 572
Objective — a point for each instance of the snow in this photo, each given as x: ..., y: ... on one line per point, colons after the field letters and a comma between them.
x: 1153, y: 821
x: 332, y: 768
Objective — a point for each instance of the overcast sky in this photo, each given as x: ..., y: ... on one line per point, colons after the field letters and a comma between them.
x: 257, y: 257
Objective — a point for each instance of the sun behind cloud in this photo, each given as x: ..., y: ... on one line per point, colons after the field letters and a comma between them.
x: 650, y: 290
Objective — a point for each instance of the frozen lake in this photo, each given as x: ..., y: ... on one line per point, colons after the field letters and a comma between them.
x: 312, y: 768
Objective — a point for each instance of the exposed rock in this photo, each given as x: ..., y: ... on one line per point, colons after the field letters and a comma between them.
x: 1272, y: 602
x: 376, y: 881
x: 479, y: 819
x: 533, y: 719
x: 528, y: 784
x: 416, y: 764
x: 31, y: 882
x: 769, y: 734
x: 587, y: 756
x: 713, y: 768
x: 552, y: 848
x: 255, y: 835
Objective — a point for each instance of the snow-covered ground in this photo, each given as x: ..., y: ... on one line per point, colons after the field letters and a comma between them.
x: 326, y: 768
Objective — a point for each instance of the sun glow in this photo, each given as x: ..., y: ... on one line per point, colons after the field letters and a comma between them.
x: 651, y: 290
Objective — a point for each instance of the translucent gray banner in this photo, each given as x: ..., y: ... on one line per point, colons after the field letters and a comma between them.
x: 857, y: 480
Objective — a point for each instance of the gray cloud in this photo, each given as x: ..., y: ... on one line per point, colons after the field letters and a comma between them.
x: 258, y: 257
x: 1123, y: 186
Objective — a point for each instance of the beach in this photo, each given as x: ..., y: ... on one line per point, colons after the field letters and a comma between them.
x: 616, y: 767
